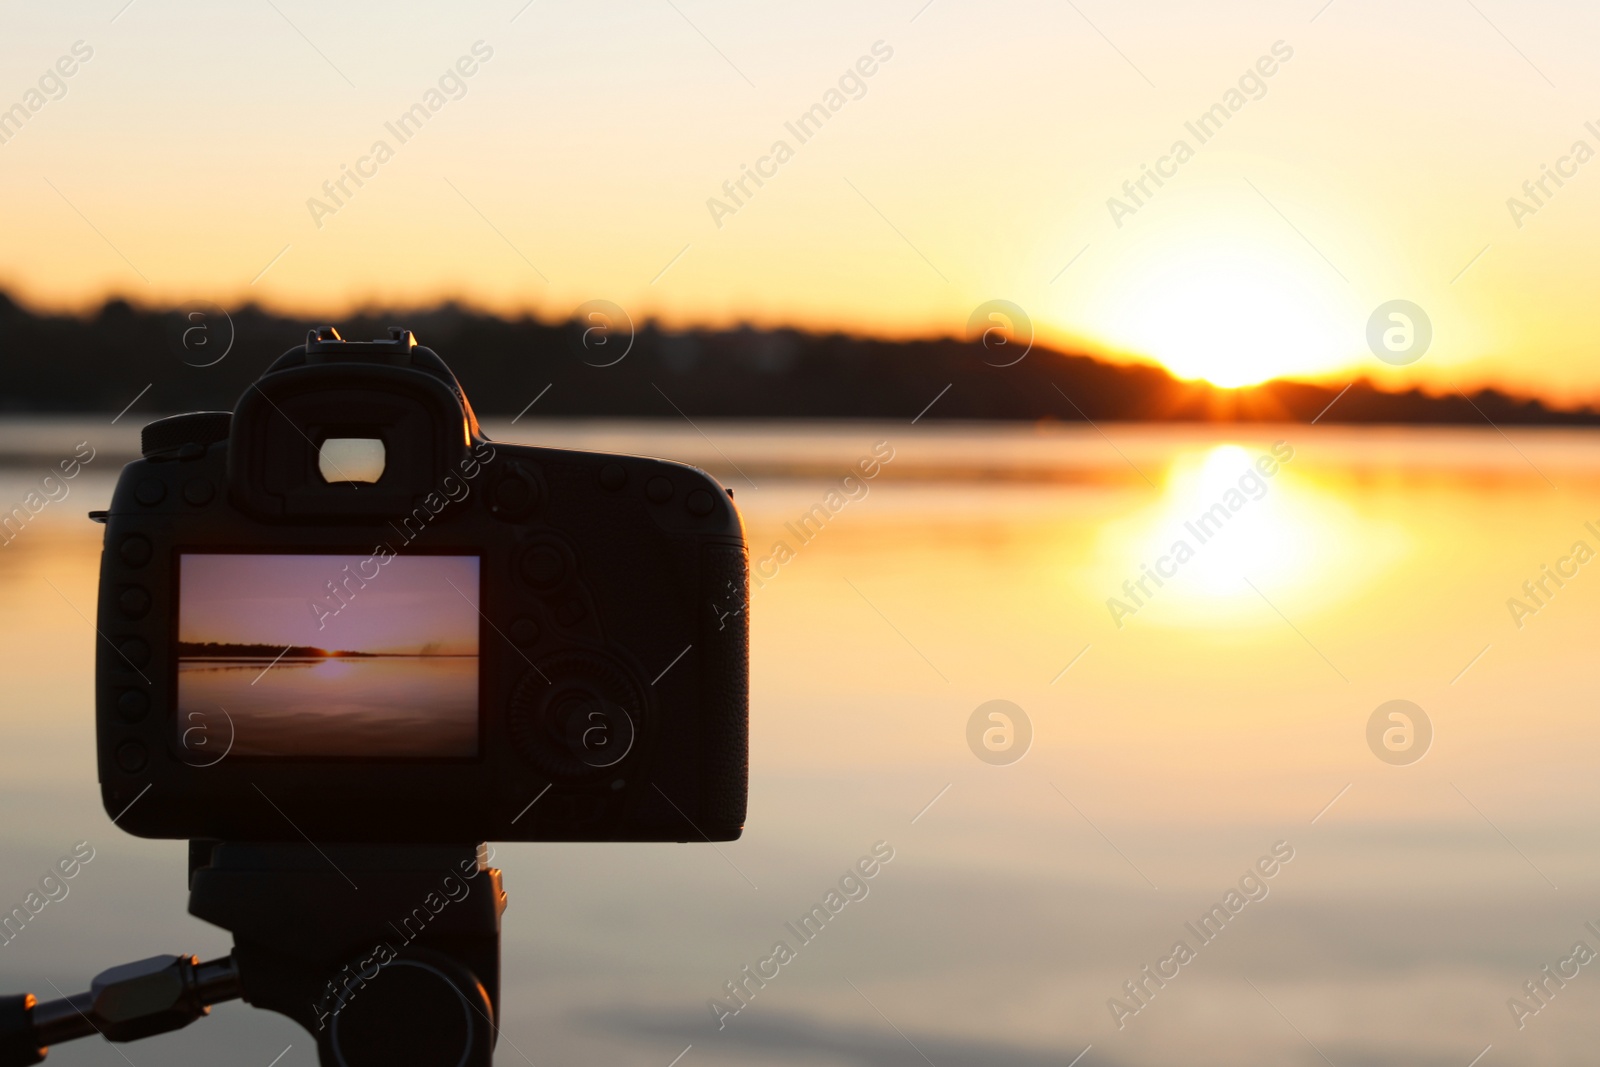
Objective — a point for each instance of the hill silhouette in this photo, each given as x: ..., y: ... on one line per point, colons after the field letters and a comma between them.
x: 99, y: 361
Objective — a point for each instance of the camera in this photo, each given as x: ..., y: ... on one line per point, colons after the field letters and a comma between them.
x: 341, y: 613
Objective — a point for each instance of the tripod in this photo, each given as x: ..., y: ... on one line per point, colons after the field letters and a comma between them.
x: 385, y: 953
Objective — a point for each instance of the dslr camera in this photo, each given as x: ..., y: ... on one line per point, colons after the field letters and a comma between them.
x: 341, y: 613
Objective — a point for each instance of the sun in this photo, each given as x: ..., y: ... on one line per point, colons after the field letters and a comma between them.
x: 1235, y: 323
x: 1227, y: 311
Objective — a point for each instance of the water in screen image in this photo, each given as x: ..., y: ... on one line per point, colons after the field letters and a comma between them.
x: 331, y: 655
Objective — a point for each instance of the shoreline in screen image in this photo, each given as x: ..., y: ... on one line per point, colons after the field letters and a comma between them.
x: 388, y: 668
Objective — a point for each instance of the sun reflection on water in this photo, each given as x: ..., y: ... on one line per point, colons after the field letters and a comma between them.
x: 1230, y: 517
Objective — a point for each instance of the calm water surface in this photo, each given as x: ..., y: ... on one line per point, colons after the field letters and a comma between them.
x: 394, y: 706
x: 1184, y: 740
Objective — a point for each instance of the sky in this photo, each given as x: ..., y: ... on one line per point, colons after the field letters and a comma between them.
x: 983, y: 158
x: 273, y: 599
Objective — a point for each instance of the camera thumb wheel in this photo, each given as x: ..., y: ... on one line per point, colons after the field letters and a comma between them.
x: 422, y: 1010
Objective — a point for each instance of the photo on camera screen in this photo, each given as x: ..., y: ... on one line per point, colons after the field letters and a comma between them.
x: 330, y: 655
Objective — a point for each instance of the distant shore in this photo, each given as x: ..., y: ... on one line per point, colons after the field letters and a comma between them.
x: 191, y: 650
x: 101, y: 362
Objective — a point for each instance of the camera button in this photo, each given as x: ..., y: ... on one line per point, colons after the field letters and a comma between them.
x: 699, y: 503
x: 543, y: 567
x: 135, y: 550
x: 132, y: 757
x: 198, y: 491
x: 134, y: 602
x: 513, y: 494
x: 132, y: 705
x: 613, y: 476
x: 151, y: 491
x: 659, y: 490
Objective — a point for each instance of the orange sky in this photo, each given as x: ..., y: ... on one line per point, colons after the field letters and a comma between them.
x: 394, y: 605
x: 968, y: 153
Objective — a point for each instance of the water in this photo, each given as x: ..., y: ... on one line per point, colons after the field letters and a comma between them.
x: 384, y: 708
x: 1173, y: 759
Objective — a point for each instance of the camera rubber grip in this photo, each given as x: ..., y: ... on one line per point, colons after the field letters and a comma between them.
x: 725, y: 690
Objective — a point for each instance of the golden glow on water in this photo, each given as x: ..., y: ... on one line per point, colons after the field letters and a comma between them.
x: 1220, y: 526
x: 1383, y: 560
x: 1169, y: 752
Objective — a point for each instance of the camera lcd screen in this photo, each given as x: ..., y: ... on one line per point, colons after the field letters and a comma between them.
x: 350, y: 656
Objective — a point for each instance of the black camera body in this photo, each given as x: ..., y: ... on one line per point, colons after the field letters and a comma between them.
x: 342, y: 614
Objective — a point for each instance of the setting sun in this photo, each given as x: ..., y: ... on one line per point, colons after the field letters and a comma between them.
x: 1232, y: 322
x: 1233, y: 310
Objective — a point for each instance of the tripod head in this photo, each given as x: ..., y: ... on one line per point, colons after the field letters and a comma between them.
x: 384, y: 953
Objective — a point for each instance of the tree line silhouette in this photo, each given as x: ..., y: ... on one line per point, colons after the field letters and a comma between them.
x: 96, y: 362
